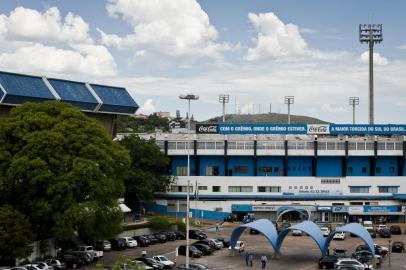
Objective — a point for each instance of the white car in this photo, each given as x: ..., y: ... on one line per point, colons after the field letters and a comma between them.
x: 217, y: 243
x: 130, y: 242
x: 368, y: 225
x: 339, y: 236
x: 239, y: 246
x: 325, y: 231
x: 296, y: 232
x: 352, y: 262
x: 164, y: 260
x: 44, y: 266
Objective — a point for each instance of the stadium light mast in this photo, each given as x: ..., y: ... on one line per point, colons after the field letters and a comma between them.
x: 289, y: 100
x: 188, y: 97
x: 224, y: 99
x: 371, y: 34
x: 353, y: 101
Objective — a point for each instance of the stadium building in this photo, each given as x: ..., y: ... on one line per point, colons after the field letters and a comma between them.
x: 332, y: 173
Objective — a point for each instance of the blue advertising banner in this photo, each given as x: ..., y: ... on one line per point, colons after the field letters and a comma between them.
x: 367, y: 129
x: 383, y: 208
x: 262, y: 129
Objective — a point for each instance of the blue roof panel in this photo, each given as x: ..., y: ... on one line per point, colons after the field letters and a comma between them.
x: 23, y: 88
x: 75, y: 93
x: 115, y: 99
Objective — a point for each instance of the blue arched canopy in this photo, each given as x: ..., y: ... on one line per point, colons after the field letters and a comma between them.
x: 283, y: 210
x: 308, y: 227
x: 353, y: 228
x: 264, y: 226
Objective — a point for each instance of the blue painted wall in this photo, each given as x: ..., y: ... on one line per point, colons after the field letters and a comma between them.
x: 273, y: 162
x: 209, y: 161
x: 299, y: 166
x: 241, y: 161
x: 181, y: 161
x: 387, y: 165
x: 329, y: 166
x: 357, y: 163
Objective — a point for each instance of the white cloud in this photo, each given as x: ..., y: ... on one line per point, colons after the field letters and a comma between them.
x: 378, y: 59
x: 305, y: 30
x: 402, y: 47
x: 43, y: 42
x: 275, y: 39
x: 148, y: 107
x: 175, y: 28
x: 333, y: 109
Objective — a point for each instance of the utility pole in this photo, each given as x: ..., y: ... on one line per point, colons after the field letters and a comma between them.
x: 353, y: 101
x: 224, y: 99
x: 289, y: 100
x: 371, y: 34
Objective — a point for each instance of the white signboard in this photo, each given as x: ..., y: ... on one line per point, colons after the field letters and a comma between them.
x: 355, y: 209
x: 318, y: 129
x: 264, y: 208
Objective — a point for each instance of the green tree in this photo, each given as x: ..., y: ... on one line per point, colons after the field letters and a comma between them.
x: 148, y: 170
x: 15, y: 236
x: 131, y: 124
x: 62, y: 170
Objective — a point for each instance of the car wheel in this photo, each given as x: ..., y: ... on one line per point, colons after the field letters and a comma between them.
x: 74, y: 265
x: 324, y: 266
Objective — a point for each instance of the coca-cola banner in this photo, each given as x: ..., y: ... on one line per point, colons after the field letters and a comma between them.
x: 207, y: 128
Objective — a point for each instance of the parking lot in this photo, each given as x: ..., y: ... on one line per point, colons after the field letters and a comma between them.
x: 298, y: 252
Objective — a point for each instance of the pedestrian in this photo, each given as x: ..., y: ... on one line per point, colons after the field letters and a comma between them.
x: 247, y: 258
x: 264, y: 259
x: 217, y: 227
x: 250, y: 259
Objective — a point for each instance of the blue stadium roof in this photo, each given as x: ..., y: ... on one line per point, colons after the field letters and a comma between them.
x: 16, y: 89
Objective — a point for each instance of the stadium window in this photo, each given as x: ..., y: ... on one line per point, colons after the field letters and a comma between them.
x: 241, y: 169
x: 295, y: 187
x: 212, y: 171
x: 364, y: 169
x: 290, y: 187
x: 181, y: 170
x: 265, y: 169
x: 391, y: 169
x: 216, y: 188
x: 311, y: 187
x: 202, y: 187
x: 274, y: 189
x: 261, y: 189
x: 388, y: 189
x: 378, y: 169
x: 360, y: 189
x: 240, y: 189
x: 181, y: 188
x: 349, y: 169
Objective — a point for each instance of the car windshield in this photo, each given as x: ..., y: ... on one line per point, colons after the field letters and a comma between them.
x: 163, y: 258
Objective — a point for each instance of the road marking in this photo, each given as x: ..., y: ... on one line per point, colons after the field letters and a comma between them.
x: 309, y: 266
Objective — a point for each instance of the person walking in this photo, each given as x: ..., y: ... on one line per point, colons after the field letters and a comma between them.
x: 217, y: 227
x: 247, y: 258
x: 264, y: 260
x: 250, y: 259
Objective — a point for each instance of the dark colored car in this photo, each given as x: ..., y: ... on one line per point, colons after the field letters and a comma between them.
x: 152, y: 239
x: 56, y: 264
x: 118, y: 244
x: 378, y: 249
x: 73, y: 260
x: 226, y: 242
x: 170, y: 236
x: 327, y: 262
x: 206, y: 242
x: 151, y: 262
x: 197, y: 234
x: 142, y: 241
x: 363, y: 256
x: 253, y: 231
x: 205, y: 249
x: 180, y: 235
x: 340, y: 252
x: 372, y: 233
x: 193, y: 251
x: 385, y: 233
x: 398, y: 247
x: 395, y: 229
x: 160, y: 237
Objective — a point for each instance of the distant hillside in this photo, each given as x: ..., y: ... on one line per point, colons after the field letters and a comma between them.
x: 274, y: 118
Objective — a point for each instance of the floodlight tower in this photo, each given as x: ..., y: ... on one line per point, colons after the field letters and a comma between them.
x: 289, y: 100
x: 353, y: 101
x: 371, y: 34
x: 224, y: 99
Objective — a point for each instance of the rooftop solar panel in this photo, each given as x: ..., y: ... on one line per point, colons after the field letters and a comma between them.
x: 75, y: 93
x: 24, y: 88
x: 115, y: 99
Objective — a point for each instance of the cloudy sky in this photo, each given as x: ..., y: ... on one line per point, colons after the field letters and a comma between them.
x: 257, y: 51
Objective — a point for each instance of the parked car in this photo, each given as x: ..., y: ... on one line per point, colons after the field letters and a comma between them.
x: 152, y: 239
x: 165, y: 261
x: 327, y: 262
x: 151, y: 262
x: 226, y: 242
x: 180, y: 235
x: 372, y: 232
x: 195, y: 266
x: 31, y: 267
x: 170, y: 236
x: 340, y: 252
x: 368, y: 224
x: 253, y: 231
x: 44, y: 266
x: 398, y: 247
x: 197, y: 234
x: 363, y: 256
x: 118, y: 244
x: 385, y: 233
x: 90, y: 249
x: 142, y: 241
x: 239, y: 246
x: 130, y: 242
x: 339, y: 236
x: 75, y: 260
x: 104, y: 245
x: 351, y: 262
x: 296, y: 232
x: 193, y: 251
x: 284, y: 226
x: 219, y: 244
x: 160, y: 237
x: 381, y: 227
x: 395, y: 229
x: 325, y: 231
x: 379, y: 250
x: 346, y: 267
x: 205, y: 249
x: 56, y: 264
x: 207, y: 242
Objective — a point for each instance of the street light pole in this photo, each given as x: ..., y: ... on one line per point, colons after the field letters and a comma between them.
x: 224, y: 99
x: 353, y: 101
x: 188, y: 97
x: 289, y: 100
